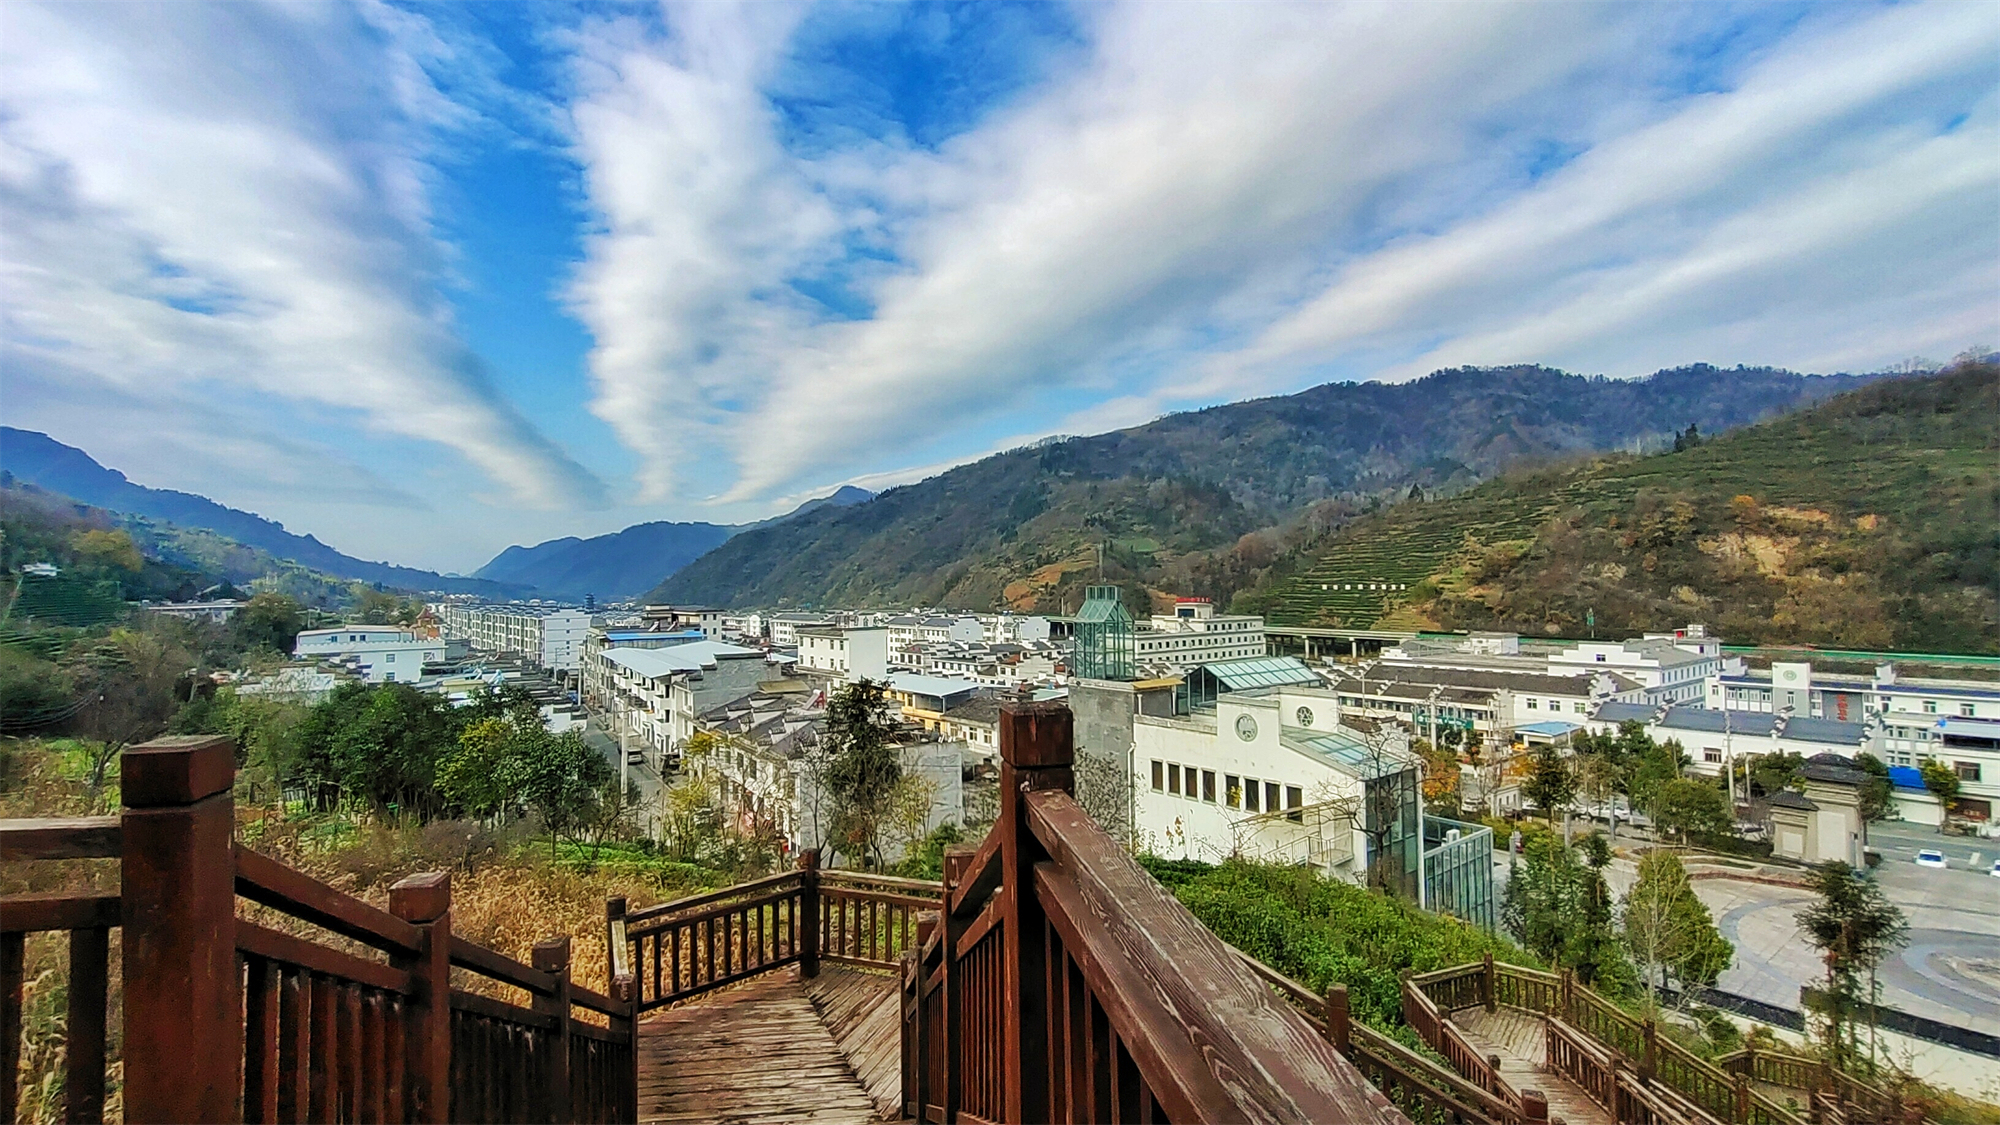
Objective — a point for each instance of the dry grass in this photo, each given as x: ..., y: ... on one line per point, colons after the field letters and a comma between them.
x: 507, y: 894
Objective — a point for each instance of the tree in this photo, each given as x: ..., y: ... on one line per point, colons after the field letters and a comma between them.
x: 1551, y: 785
x: 1669, y: 930
x: 1558, y: 905
x: 107, y: 549
x: 1942, y: 781
x: 378, y: 745
x: 1877, y: 794
x: 130, y: 684
x: 1854, y: 926
x: 269, y: 621
x: 1651, y: 765
x: 1599, y: 779
x: 562, y: 780
x: 862, y: 771
x: 1687, y: 807
x: 475, y: 776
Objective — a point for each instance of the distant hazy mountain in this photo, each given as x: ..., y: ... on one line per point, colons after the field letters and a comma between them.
x: 626, y: 563
x: 47, y: 463
x: 1173, y: 503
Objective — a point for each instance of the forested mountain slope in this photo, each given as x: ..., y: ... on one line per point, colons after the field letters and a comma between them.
x: 1871, y: 521
x: 1171, y: 499
x: 47, y: 463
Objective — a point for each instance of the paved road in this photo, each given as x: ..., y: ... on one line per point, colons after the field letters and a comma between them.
x: 1898, y: 843
x: 1949, y: 970
x: 642, y: 778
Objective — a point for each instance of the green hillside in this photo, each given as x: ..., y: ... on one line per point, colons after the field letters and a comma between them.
x: 1204, y: 502
x: 1869, y: 521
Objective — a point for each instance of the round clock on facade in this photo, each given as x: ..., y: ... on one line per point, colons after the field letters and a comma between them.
x: 1305, y: 716
x: 1246, y: 728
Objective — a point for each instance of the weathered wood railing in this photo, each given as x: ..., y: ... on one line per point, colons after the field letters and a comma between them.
x: 1864, y: 1100
x: 1654, y: 1076
x: 1413, y: 1083
x: 1470, y: 987
x: 681, y: 949
x: 227, y: 1018
x: 1061, y: 983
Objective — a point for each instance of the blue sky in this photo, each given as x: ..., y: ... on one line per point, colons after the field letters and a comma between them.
x: 428, y: 280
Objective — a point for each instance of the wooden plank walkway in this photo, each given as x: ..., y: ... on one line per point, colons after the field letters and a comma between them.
x: 863, y: 1013
x: 754, y: 1052
x: 1521, y: 1041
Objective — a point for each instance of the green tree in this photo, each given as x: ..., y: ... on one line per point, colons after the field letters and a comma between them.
x: 269, y: 621
x: 1558, y: 905
x: 107, y: 549
x: 130, y: 686
x: 1650, y: 766
x: 477, y: 775
x: 1669, y: 931
x: 563, y: 781
x: 1551, y: 784
x: 1942, y: 781
x: 378, y: 745
x: 1854, y: 926
x: 862, y: 770
x: 1877, y: 794
x: 1685, y: 807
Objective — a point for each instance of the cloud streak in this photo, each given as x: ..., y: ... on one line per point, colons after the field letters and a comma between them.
x: 221, y: 200
x: 1217, y: 202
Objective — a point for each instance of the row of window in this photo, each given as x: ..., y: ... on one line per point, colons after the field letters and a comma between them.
x: 1556, y: 705
x: 1247, y: 793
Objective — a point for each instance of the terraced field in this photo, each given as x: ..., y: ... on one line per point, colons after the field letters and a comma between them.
x: 64, y: 601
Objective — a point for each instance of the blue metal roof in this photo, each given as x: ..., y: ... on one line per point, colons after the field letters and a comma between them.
x: 1906, y: 777
x: 1550, y: 727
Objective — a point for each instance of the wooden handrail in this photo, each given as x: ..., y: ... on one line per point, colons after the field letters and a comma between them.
x: 740, y: 890
x: 980, y: 878
x: 34, y: 913
x: 264, y: 880
x: 60, y: 837
x: 500, y: 967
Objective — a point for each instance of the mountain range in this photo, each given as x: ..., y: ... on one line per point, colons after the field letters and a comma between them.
x: 47, y: 463
x: 630, y: 562
x: 1206, y: 502
x: 1870, y: 522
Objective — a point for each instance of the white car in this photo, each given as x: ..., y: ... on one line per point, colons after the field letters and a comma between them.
x: 1930, y: 857
x: 1996, y: 869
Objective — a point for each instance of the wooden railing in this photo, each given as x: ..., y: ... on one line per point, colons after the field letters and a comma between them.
x: 227, y: 1018
x: 1061, y: 983
x: 1860, y: 1100
x: 1655, y: 1078
x: 1431, y: 1021
x: 1413, y: 1083
x: 681, y: 949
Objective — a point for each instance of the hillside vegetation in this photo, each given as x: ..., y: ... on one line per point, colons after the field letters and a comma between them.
x: 1206, y: 502
x: 1871, y: 521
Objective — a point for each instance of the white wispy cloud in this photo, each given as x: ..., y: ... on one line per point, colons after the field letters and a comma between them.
x: 1219, y: 201
x: 225, y: 201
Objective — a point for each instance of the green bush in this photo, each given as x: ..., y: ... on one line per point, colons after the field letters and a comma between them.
x: 1322, y: 932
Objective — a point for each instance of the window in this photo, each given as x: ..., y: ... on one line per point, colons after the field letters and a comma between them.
x: 1159, y: 776
x: 1581, y: 707
x: 1965, y: 709
x: 1967, y: 771
x: 1534, y: 704
x: 1295, y: 799
x: 1188, y: 775
x: 1711, y: 754
x: 1174, y: 779
x: 1208, y: 786
x: 389, y: 677
x: 1232, y: 791
x: 391, y: 658
x: 1930, y: 706
x: 1249, y: 794
x: 1270, y: 796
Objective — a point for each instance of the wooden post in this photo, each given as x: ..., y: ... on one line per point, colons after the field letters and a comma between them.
x: 424, y: 901
x: 808, y: 913
x: 625, y: 990
x: 552, y: 957
x: 1742, y: 1098
x: 1649, y: 1059
x: 1488, y: 995
x: 83, y: 1075
x: 1493, y: 1074
x: 927, y: 925
x: 1534, y: 1106
x: 615, y: 947
x: 1037, y: 750
x: 1568, y: 1000
x: 183, y: 1004
x: 1339, y: 1029
x: 956, y: 857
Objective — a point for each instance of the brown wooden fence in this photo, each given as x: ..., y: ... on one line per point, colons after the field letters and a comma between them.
x: 681, y: 949
x: 228, y: 1019
x: 1063, y: 984
x: 1611, y: 1054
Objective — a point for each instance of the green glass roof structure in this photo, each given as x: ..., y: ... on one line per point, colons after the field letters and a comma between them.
x: 1262, y: 671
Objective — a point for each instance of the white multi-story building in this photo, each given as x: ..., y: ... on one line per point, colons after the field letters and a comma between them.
x: 378, y: 654
x: 849, y: 654
x: 1673, y: 667
x: 1269, y: 773
x: 552, y: 638
x: 1715, y: 739
x: 652, y: 697
x: 1195, y: 634
x: 783, y: 628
